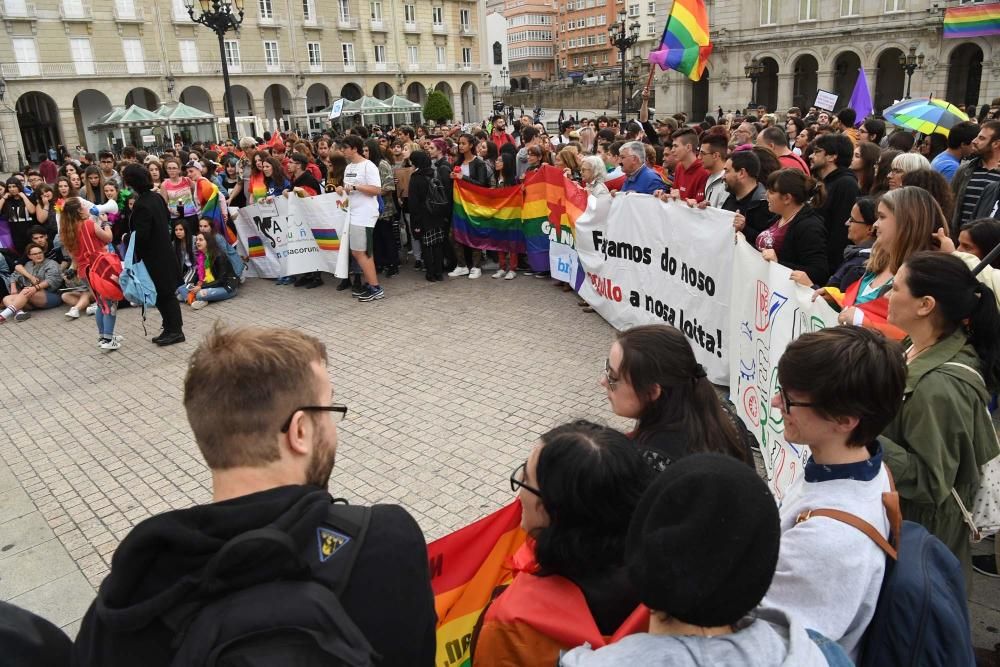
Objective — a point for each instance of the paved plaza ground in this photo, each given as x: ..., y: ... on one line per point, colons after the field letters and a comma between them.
x: 448, y: 385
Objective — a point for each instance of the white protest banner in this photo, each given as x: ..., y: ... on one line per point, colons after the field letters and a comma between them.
x: 254, y: 227
x: 768, y: 311
x: 649, y: 262
x: 563, y: 262
x: 825, y: 100
x: 325, y: 219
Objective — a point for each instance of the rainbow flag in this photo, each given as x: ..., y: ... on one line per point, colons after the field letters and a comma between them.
x: 255, y: 247
x: 326, y: 239
x: 465, y: 568
x: 975, y: 21
x: 258, y: 188
x: 210, y: 207
x: 552, y: 203
x: 488, y: 218
x: 686, y: 44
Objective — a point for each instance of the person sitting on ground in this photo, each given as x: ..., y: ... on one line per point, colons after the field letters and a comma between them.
x: 214, y: 275
x: 35, y: 287
x: 651, y: 375
x: 701, y: 597
x: 270, y: 453
x: 797, y: 239
x: 183, y: 249
x: 578, y: 490
x: 937, y: 443
x: 839, y: 418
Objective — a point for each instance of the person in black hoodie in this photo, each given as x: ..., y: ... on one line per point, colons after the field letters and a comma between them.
x: 429, y: 228
x: 831, y: 161
x: 797, y: 239
x: 271, y: 452
x: 747, y: 196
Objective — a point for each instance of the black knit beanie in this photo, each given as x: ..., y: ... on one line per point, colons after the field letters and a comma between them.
x: 703, y: 542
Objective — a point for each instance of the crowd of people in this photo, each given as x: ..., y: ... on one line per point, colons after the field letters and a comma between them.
x: 625, y: 560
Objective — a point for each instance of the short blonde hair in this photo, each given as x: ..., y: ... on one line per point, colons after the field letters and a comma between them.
x: 241, y: 384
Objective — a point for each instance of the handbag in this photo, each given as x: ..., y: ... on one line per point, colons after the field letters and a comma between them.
x: 136, y: 283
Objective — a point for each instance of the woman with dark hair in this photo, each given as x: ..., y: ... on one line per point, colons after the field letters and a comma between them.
x: 427, y: 227
x: 866, y: 155
x: 933, y: 182
x: 93, y: 185
x: 506, y: 169
x: 882, y: 172
x: 941, y: 437
x: 150, y: 223
x: 861, y: 234
x: 769, y: 162
x: 651, y: 375
x: 797, y: 239
x: 17, y: 208
x: 183, y: 249
x: 386, y: 241
x: 275, y: 181
x: 470, y: 168
x: 793, y: 127
x: 578, y: 490
x: 802, y: 141
x: 214, y: 279
x: 488, y: 153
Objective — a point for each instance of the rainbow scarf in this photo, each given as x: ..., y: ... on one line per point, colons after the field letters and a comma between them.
x: 976, y: 21
x: 685, y: 45
x: 258, y: 188
x: 465, y: 568
x: 210, y: 208
x: 488, y: 218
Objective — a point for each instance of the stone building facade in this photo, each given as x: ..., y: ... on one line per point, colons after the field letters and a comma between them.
x: 66, y: 63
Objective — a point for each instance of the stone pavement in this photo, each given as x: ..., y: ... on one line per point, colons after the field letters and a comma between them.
x: 448, y: 386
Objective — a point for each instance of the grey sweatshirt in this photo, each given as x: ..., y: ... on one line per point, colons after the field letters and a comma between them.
x: 775, y: 642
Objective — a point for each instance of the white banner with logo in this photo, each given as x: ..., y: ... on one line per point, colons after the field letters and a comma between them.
x: 288, y: 236
x: 768, y: 311
x: 648, y: 262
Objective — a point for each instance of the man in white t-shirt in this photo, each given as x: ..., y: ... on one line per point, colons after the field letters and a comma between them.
x: 363, y: 185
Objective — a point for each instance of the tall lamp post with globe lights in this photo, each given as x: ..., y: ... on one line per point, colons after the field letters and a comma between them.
x: 623, y: 37
x: 221, y: 16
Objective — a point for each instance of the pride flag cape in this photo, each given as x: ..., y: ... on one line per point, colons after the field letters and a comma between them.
x: 552, y: 204
x: 487, y: 218
x: 685, y: 45
x: 465, y: 568
x: 975, y: 21
x: 207, y: 197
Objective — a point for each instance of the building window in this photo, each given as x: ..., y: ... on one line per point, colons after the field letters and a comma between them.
x: 315, y: 54
x: 466, y: 56
x: 850, y: 7
x: 413, y: 53
x: 134, y: 59
x: 463, y: 19
x: 437, y: 15
x: 651, y: 8
x: 576, y: 61
x: 347, y: 50
x: 26, y: 55
x: 602, y: 19
x: 73, y: 8
x: 380, y: 54
x: 232, y: 49
x: 345, y: 9
x: 266, y: 11
x: 497, y: 53
x: 376, y: 11
x: 439, y: 54
x: 808, y: 10
x: 271, y: 56
x: 189, y: 55
x: 895, y: 5
x: 83, y: 57
x: 410, y: 13
x: 651, y: 30
x: 768, y: 12
x: 309, y: 10
x: 633, y: 11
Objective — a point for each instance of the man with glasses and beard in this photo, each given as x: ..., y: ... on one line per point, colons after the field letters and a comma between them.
x: 260, y: 405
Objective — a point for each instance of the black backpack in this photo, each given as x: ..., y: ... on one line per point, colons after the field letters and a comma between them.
x: 438, y: 203
x: 258, y: 604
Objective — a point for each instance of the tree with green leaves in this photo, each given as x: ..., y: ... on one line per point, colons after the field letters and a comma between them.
x: 438, y: 107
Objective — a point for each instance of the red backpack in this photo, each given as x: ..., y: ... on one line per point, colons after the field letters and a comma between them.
x: 103, y: 276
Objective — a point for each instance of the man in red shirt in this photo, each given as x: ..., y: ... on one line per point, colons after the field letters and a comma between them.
x: 690, y: 175
x: 500, y: 136
x: 776, y: 139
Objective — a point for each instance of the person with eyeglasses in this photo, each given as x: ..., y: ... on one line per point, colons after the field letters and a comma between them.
x: 578, y: 489
x: 829, y: 573
x: 272, y: 549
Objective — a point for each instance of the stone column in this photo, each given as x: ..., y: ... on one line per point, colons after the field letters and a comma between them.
x: 786, y: 88
x: 10, y: 132
x: 67, y: 121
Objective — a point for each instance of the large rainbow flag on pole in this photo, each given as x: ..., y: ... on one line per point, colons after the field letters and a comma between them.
x: 685, y: 45
x: 465, y: 568
x: 974, y: 21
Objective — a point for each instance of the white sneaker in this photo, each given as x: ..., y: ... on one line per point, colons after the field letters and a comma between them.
x: 73, y: 313
x: 198, y: 305
x: 91, y: 309
x: 499, y: 274
x: 475, y: 273
x: 459, y: 271
x: 510, y: 275
x: 112, y: 345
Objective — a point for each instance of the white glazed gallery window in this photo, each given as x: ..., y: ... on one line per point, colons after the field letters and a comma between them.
x: 413, y: 54
x: 266, y: 10
x: 134, y: 58
x: 808, y: 10
x: 410, y: 13
x: 347, y: 51
x: 26, y: 55
x: 439, y: 53
x: 437, y: 15
x: 345, y: 9
x: 376, y: 11
x: 189, y: 55
x: 309, y: 10
x: 850, y: 7
x: 125, y: 8
x: 232, y: 49
x: 315, y: 56
x: 271, y: 57
x: 768, y: 12
x: 895, y: 5
x: 466, y: 57
x: 464, y: 19
x: 83, y: 56
x: 380, y: 54
x: 73, y: 8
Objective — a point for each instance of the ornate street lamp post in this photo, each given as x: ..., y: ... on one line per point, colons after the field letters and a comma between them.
x: 623, y: 37
x: 910, y: 63
x: 753, y: 70
x: 221, y: 16
x: 504, y: 75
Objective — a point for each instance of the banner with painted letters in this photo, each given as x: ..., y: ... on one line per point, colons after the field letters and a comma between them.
x: 648, y: 262
x: 768, y: 311
x: 288, y: 236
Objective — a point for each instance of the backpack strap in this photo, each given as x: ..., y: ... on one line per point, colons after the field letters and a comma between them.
x: 352, y: 520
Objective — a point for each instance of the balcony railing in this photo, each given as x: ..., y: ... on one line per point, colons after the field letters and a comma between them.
x: 70, y: 70
x: 467, y: 29
x: 81, y: 13
x: 313, y: 22
x: 411, y: 26
x: 347, y: 23
x: 378, y: 25
x: 214, y: 67
x: 15, y: 10
x: 439, y: 29
x: 442, y: 67
x: 129, y: 15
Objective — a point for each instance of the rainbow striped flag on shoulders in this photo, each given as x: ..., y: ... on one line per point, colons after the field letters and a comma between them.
x: 685, y: 45
x: 975, y: 21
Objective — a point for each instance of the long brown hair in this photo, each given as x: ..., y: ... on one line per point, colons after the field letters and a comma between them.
x: 918, y: 216
x: 73, y: 214
x: 659, y: 355
x: 800, y: 187
x: 870, y: 154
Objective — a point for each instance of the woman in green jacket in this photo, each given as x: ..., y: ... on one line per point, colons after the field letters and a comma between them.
x: 943, y: 433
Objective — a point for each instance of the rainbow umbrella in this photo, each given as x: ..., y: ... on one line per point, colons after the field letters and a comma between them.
x: 925, y: 115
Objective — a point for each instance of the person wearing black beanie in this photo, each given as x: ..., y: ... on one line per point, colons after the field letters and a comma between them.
x: 701, y: 549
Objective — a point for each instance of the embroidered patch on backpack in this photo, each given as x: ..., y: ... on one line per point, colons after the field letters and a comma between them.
x: 330, y: 541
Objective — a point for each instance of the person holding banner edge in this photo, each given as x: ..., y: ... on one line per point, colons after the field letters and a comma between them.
x: 362, y: 185
x: 798, y: 238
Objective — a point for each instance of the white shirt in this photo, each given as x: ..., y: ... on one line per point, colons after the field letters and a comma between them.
x: 363, y: 210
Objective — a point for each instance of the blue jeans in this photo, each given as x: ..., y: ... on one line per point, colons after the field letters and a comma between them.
x: 831, y: 650
x: 106, y: 322
x: 205, y: 294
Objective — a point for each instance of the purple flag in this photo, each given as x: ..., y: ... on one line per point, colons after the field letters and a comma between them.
x: 861, y: 99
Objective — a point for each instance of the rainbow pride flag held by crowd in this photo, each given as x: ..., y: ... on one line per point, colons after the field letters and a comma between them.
x: 488, y: 218
x: 552, y: 204
x: 466, y: 566
x: 974, y: 21
x: 685, y: 45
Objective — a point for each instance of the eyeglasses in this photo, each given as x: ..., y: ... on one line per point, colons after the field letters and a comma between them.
x: 612, y: 382
x: 338, y: 413
x: 517, y: 480
x: 896, y: 170
x: 787, y: 404
x: 856, y: 222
